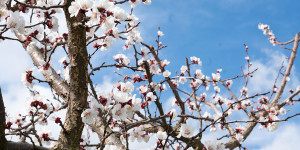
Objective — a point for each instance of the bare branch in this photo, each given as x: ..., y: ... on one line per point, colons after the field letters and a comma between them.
x: 288, y: 70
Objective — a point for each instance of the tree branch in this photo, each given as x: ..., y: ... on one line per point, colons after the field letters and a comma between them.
x: 288, y: 70
x: 3, y: 143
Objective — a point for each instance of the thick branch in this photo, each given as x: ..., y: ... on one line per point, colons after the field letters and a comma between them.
x: 23, y: 146
x: 233, y: 143
x: 113, y: 139
x: 55, y: 81
x: 288, y: 70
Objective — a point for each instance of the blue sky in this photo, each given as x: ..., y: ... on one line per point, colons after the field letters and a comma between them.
x: 214, y: 31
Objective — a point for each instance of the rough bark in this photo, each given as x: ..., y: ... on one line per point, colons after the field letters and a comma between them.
x: 55, y: 81
x: 113, y: 139
x: 233, y: 143
x: 78, y: 56
x: 3, y: 142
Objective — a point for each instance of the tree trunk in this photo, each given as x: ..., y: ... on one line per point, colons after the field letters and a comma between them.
x: 73, y: 125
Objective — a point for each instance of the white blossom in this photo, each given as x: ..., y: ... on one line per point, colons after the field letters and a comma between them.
x: 182, y: 80
x: 217, y: 89
x: 147, y: 2
x: 121, y: 59
x: 160, y: 33
x: 213, y: 129
x: 88, y: 116
x: 216, y: 77
x: 134, y: 3
x: 137, y: 134
x: 183, y: 69
x: 118, y: 112
x: 187, y: 130
x: 151, y: 97
x: 80, y: 5
x: 166, y: 73
x: 196, y: 60
x: 16, y: 22
x: 121, y: 97
x: 161, y: 135
x: 282, y: 111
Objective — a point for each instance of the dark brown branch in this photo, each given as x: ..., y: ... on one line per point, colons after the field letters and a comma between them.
x: 256, y: 121
x: 3, y: 143
x: 173, y: 88
x: 38, y: 7
x: 23, y: 146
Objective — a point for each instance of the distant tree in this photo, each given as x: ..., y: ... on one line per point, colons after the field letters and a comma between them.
x: 133, y: 108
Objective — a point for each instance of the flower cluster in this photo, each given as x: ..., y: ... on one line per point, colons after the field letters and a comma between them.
x: 266, y: 30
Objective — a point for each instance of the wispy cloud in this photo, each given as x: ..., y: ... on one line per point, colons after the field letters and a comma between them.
x: 286, y: 137
x: 268, y: 69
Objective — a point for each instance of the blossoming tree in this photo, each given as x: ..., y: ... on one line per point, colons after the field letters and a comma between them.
x: 132, y: 110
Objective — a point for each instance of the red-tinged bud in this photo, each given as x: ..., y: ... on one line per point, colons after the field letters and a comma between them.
x: 8, y: 125
x: 103, y: 100
x: 57, y: 120
x: 109, y: 13
x: 119, y: 87
x: 144, y: 105
x: 65, y: 36
x: 28, y: 39
x: 88, y: 29
x: 46, y: 66
x: 96, y: 45
x: 45, y: 136
x: 83, y: 11
x: 126, y: 77
x: 44, y: 106
x: 110, y: 33
x: 239, y: 107
x: 49, y: 24
x: 101, y: 10
x: 53, y: 11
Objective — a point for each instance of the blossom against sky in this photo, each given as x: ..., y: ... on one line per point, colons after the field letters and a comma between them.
x: 214, y: 31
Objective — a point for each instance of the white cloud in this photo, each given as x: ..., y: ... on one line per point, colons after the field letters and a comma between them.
x: 267, y: 72
x: 13, y: 61
x: 286, y: 137
x: 106, y: 86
